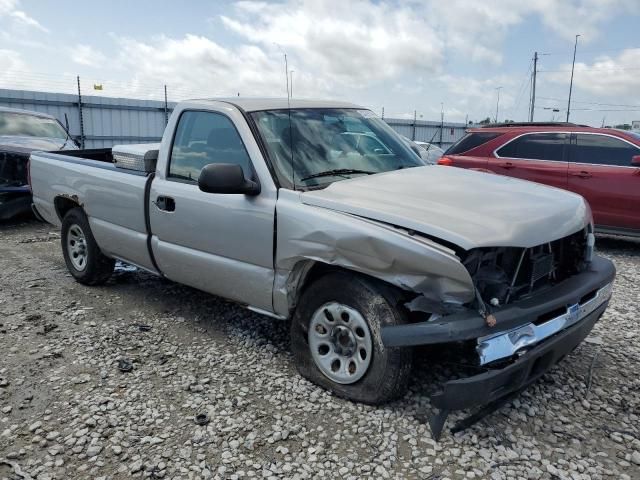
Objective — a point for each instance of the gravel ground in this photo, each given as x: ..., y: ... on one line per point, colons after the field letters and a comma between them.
x: 67, y: 411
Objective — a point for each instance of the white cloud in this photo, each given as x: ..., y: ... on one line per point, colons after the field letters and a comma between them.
x: 196, y: 65
x: 10, y: 9
x: 12, y: 66
x: 87, y: 55
x: 357, y: 42
x: 570, y: 17
x: 606, y: 76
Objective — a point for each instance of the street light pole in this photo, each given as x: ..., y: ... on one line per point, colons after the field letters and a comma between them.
x: 291, y: 82
x: 575, y: 47
x: 498, y: 103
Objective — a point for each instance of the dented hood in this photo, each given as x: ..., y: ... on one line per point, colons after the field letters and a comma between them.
x: 467, y: 208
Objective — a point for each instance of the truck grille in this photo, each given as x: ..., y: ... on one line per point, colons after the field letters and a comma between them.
x: 505, y: 274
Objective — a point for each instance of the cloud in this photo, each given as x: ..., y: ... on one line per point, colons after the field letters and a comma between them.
x: 87, y: 55
x: 570, y: 17
x: 606, y: 76
x: 19, y: 18
x: 356, y: 43
x: 197, y: 66
x: 11, y: 66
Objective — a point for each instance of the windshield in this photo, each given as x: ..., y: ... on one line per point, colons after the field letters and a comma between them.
x: 330, y: 145
x: 25, y: 125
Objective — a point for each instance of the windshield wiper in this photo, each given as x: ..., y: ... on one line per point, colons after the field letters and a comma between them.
x: 337, y: 172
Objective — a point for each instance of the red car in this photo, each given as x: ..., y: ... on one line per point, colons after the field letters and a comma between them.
x: 601, y: 164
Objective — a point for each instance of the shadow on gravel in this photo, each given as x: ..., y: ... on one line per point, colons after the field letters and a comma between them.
x: 227, y: 321
x: 21, y: 221
x: 615, y: 244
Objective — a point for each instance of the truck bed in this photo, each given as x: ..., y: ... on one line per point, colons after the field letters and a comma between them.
x: 113, y: 198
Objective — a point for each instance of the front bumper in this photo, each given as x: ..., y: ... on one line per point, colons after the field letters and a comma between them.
x: 542, y: 329
x: 469, y: 325
x: 489, y: 386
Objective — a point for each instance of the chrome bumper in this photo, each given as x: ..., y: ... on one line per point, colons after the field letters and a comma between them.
x: 506, y: 344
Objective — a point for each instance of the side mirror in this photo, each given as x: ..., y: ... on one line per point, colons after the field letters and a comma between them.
x: 635, y: 160
x: 226, y: 178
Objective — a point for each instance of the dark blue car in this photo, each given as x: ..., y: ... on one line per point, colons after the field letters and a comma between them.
x: 22, y: 132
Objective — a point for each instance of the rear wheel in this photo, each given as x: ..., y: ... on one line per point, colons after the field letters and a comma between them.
x: 83, y: 257
x: 335, y: 338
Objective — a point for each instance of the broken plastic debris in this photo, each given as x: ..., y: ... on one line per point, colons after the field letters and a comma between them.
x: 144, y: 328
x: 125, y: 365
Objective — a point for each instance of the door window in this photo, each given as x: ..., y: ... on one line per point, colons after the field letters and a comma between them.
x: 603, y: 150
x: 538, y: 146
x: 203, y: 138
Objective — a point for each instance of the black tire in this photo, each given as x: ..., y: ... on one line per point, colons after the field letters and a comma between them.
x: 387, y: 375
x: 96, y: 268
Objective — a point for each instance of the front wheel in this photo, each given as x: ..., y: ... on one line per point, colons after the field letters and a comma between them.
x: 83, y: 257
x: 336, y: 342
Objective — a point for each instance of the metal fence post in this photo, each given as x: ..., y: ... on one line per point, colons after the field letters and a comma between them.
x: 413, y: 134
x: 80, y: 114
x: 166, y: 109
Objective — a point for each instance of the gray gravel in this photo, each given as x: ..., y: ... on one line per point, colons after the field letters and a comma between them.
x: 67, y: 411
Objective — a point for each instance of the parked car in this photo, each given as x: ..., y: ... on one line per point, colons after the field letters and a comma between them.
x: 429, y: 152
x: 368, y: 254
x: 601, y: 164
x: 22, y: 132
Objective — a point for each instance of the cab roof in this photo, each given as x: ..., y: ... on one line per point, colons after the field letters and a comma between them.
x: 249, y: 104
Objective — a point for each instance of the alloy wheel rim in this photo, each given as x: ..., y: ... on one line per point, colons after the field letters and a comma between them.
x: 77, y: 247
x: 340, y: 342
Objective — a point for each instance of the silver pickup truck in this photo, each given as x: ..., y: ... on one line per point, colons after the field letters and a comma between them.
x: 319, y: 213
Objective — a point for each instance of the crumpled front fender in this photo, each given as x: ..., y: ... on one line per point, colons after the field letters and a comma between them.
x: 308, y: 234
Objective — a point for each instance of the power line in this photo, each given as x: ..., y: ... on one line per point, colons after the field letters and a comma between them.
x: 593, y: 109
x: 620, y: 49
x: 594, y: 69
x: 521, y: 90
x: 593, y: 103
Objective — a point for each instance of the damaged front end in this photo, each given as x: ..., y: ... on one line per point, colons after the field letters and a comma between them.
x: 532, y: 307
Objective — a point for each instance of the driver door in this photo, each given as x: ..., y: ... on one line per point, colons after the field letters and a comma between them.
x: 219, y: 243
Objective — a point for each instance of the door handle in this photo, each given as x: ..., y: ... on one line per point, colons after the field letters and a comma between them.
x: 507, y: 165
x: 581, y: 174
x: 166, y: 204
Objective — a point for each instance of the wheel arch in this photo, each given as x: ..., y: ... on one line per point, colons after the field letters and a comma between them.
x: 64, y: 203
x: 306, y: 271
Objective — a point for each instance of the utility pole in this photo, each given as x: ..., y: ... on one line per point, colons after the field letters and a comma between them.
x: 383, y: 113
x: 286, y: 74
x: 498, y: 103
x: 575, y: 47
x: 533, y: 86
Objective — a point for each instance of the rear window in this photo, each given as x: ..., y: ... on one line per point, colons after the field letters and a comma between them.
x: 537, y: 146
x: 471, y: 140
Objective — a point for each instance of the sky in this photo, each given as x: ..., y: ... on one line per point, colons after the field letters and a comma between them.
x: 427, y: 56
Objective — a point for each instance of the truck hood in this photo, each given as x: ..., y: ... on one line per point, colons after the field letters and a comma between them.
x: 466, y: 208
